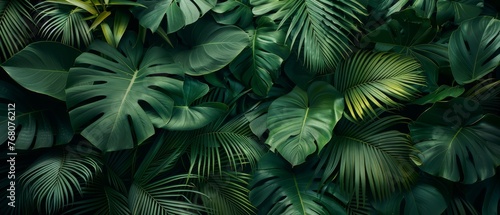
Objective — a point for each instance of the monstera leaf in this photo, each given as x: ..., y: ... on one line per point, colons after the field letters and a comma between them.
x: 40, y: 121
x: 234, y: 12
x: 42, y: 67
x: 472, y: 56
x: 210, y: 46
x: 302, y: 122
x: 259, y: 65
x: 187, y: 117
x: 457, y: 141
x: 459, y: 10
x: 178, y: 13
x: 277, y: 189
x: 114, y: 97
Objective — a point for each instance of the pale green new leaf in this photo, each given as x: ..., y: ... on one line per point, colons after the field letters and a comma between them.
x: 457, y: 142
x: 301, y: 123
x: 42, y: 67
x: 115, y: 97
x: 259, y: 65
x: 15, y: 29
x: 472, y: 56
x: 374, y: 80
x: 178, y: 13
x: 210, y: 47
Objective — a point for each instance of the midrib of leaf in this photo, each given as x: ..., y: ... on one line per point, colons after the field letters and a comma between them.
x: 124, y: 99
x: 453, y: 138
x: 303, y: 124
x: 300, y: 196
x: 369, y: 144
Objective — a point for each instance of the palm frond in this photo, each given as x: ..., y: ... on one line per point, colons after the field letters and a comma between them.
x: 15, y: 29
x: 374, y: 80
x: 227, y: 193
x: 223, y: 144
x: 369, y: 156
x: 63, y: 23
x: 321, y: 30
x: 165, y: 196
x: 54, y: 177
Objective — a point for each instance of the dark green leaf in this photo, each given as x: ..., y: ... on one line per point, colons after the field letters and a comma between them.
x: 42, y: 67
x: 472, y: 56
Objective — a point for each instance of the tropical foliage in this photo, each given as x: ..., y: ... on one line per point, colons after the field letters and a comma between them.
x: 250, y: 106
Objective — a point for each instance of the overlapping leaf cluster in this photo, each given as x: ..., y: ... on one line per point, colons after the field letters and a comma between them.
x: 252, y: 106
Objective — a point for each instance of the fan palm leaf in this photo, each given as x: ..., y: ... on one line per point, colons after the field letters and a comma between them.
x: 321, y: 30
x: 63, y: 23
x: 15, y: 29
x: 55, y: 176
x: 370, y: 80
x: 369, y: 156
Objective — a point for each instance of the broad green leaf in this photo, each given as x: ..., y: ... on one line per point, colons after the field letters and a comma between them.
x: 405, y: 28
x: 488, y: 191
x: 373, y: 80
x: 424, y: 199
x: 233, y: 12
x: 210, y: 47
x: 369, y: 158
x: 42, y: 67
x: 457, y: 10
x: 301, y: 123
x: 186, y: 116
x: 473, y: 56
x: 178, y: 13
x: 457, y: 142
x: 114, y: 97
x: 259, y: 65
x: 276, y: 188
x: 39, y: 122
x: 439, y: 94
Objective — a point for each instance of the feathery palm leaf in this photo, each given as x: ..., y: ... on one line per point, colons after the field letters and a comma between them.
x: 63, y: 23
x: 55, y: 176
x: 15, y: 30
x: 375, y: 79
x: 369, y: 156
x: 321, y: 29
x: 227, y: 193
x: 223, y: 144
x: 164, y: 196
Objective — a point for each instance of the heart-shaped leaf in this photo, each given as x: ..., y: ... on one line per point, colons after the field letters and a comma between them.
x: 302, y: 122
x: 187, y: 117
x: 210, y: 46
x: 42, y: 67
